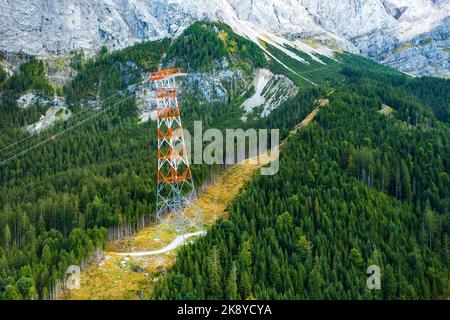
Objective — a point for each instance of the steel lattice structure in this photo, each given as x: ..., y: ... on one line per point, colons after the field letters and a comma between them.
x: 175, y: 187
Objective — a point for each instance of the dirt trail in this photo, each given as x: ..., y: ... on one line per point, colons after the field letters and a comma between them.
x: 178, y: 241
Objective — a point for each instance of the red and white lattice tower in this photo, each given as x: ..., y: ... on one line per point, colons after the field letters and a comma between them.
x: 175, y: 187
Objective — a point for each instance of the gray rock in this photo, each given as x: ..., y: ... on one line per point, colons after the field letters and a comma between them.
x: 427, y: 54
x: 375, y: 28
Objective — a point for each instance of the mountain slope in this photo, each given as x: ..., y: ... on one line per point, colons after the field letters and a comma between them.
x: 61, y: 201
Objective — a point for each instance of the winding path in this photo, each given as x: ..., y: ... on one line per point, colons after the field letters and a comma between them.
x: 178, y: 241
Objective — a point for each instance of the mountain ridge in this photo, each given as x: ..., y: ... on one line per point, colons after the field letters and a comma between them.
x: 374, y: 28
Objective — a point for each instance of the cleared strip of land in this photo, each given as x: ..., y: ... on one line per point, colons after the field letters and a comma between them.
x: 130, y: 267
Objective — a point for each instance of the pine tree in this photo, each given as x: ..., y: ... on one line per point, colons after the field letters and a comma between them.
x: 6, y: 241
x: 47, y: 255
x: 26, y: 288
x: 215, y: 274
x: 356, y: 257
x: 406, y: 182
x: 246, y: 256
x: 11, y: 293
x: 316, y: 282
x: 389, y: 283
x: 431, y: 222
x: 232, y: 293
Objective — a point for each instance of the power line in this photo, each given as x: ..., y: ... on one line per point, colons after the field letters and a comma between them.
x: 60, y: 133
x: 121, y: 92
x: 72, y: 117
x: 132, y: 86
x: 321, y: 68
x: 2, y: 163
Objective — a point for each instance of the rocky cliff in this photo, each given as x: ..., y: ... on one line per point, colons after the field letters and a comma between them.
x: 411, y: 35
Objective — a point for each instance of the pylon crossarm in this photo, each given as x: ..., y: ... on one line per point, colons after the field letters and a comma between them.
x: 163, y: 74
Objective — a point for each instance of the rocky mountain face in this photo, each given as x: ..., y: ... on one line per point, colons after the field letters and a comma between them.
x: 410, y: 35
x: 426, y: 54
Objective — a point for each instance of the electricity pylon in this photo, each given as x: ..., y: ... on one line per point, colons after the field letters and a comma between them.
x: 175, y: 190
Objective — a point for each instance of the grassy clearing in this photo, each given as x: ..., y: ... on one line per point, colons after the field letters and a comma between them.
x: 386, y: 110
x: 117, y: 278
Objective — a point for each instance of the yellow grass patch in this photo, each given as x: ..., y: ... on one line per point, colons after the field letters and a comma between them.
x: 311, y: 43
x: 305, y: 121
x: 121, y: 277
x: 386, y: 110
